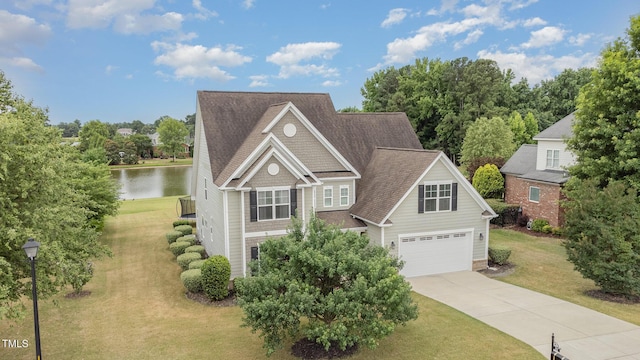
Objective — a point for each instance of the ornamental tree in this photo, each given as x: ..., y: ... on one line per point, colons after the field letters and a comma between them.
x: 329, y: 286
x: 488, y: 181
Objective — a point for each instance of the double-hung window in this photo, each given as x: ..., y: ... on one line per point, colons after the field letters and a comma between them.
x: 273, y: 204
x: 437, y: 197
x: 344, y: 195
x: 534, y: 194
x: 553, y: 159
x: 328, y: 196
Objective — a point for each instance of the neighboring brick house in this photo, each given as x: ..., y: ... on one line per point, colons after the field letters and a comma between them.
x: 261, y: 158
x: 535, y: 174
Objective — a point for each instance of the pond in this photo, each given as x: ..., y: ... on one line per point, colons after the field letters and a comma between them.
x: 153, y: 182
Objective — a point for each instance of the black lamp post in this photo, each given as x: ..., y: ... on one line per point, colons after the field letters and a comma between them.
x: 31, y: 248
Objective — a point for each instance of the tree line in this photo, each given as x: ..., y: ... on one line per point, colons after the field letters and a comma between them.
x: 442, y: 98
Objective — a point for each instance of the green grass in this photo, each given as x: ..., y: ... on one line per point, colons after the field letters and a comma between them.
x: 137, y: 310
x: 541, y: 265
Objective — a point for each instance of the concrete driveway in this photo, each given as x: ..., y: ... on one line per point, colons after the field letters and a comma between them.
x: 531, y: 317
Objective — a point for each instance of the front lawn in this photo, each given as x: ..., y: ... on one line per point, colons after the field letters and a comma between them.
x: 541, y: 265
x: 137, y: 309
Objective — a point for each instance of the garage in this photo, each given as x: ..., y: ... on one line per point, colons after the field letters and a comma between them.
x: 435, y: 253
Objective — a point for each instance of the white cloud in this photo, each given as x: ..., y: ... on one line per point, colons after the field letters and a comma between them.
x: 538, y: 67
x: 259, y: 81
x: 17, y: 31
x: 28, y: 4
x: 471, y: 38
x: 536, y: 21
x: 126, y: 14
x: 325, y: 6
x: 109, y: 69
x: 546, y: 36
x: 197, y: 61
x: 519, y: 4
x: 332, y: 83
x: 446, y: 6
x: 394, y: 17
x: 289, y: 58
x: 579, y: 39
x: 248, y: 4
x: 203, y: 13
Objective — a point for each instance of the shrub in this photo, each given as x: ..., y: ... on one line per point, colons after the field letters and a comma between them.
x: 178, y: 247
x: 192, y: 280
x: 172, y: 236
x: 539, y: 224
x: 184, y: 229
x: 186, y: 258
x: 488, y: 181
x: 181, y: 222
x: 523, y: 220
x: 558, y: 231
x: 196, y: 264
x: 499, y: 255
x: 216, y: 272
x: 191, y: 239
x: 196, y: 249
x: 507, y: 213
x: 547, y: 229
x: 474, y: 164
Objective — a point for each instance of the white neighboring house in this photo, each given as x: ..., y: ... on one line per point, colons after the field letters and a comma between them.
x: 261, y: 158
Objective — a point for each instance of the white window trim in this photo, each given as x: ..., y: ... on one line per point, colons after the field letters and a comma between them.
x: 273, y: 205
x: 325, y: 197
x: 438, y: 183
x: 534, y: 201
x: 342, y: 197
x: 551, y: 159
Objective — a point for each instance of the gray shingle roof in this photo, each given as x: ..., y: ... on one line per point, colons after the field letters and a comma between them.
x: 341, y: 218
x: 523, y: 161
x: 389, y: 175
x: 558, y: 131
x: 230, y: 120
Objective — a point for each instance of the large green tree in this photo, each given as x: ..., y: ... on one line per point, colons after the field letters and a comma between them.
x: 332, y: 287
x: 606, y: 132
x: 93, y: 134
x: 172, y: 136
x: 487, y: 138
x: 46, y: 192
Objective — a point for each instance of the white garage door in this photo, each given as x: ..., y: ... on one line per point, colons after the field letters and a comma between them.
x: 428, y: 254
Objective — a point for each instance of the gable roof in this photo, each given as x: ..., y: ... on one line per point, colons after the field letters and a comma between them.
x: 561, y: 130
x: 381, y: 187
x: 234, y: 121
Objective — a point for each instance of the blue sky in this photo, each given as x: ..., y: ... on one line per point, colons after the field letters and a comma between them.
x: 124, y: 60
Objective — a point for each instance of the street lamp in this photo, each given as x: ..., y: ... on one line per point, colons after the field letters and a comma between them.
x: 31, y: 248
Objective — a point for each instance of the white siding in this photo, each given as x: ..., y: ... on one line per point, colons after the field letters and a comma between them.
x: 566, y: 157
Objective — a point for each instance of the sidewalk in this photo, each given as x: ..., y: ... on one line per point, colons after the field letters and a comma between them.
x: 531, y: 317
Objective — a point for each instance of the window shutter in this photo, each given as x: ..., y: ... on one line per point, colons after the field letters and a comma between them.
x: 454, y: 196
x: 420, y: 199
x: 293, y: 197
x: 253, y: 205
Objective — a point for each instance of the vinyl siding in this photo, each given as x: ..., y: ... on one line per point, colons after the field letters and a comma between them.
x: 406, y: 218
x: 262, y: 178
x: 336, y: 195
x: 235, y: 233
x: 306, y: 147
x: 266, y: 225
x: 566, y: 157
x: 210, y: 208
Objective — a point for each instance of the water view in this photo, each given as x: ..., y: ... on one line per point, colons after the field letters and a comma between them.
x: 143, y: 183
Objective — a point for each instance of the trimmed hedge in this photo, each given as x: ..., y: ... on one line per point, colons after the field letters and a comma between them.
x: 196, y: 264
x: 499, y: 255
x: 216, y: 272
x: 196, y: 249
x: 181, y: 222
x: 178, y: 247
x: 184, y: 229
x: 507, y: 213
x: 192, y: 280
x: 186, y: 258
x: 191, y: 239
x: 172, y: 236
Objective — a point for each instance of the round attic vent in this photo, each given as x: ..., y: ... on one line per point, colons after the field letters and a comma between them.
x: 273, y: 169
x: 289, y: 130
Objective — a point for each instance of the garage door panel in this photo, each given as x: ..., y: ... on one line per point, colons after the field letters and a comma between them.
x: 435, y: 254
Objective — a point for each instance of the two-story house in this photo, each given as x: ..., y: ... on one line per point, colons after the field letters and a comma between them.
x: 261, y: 158
x: 535, y: 174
